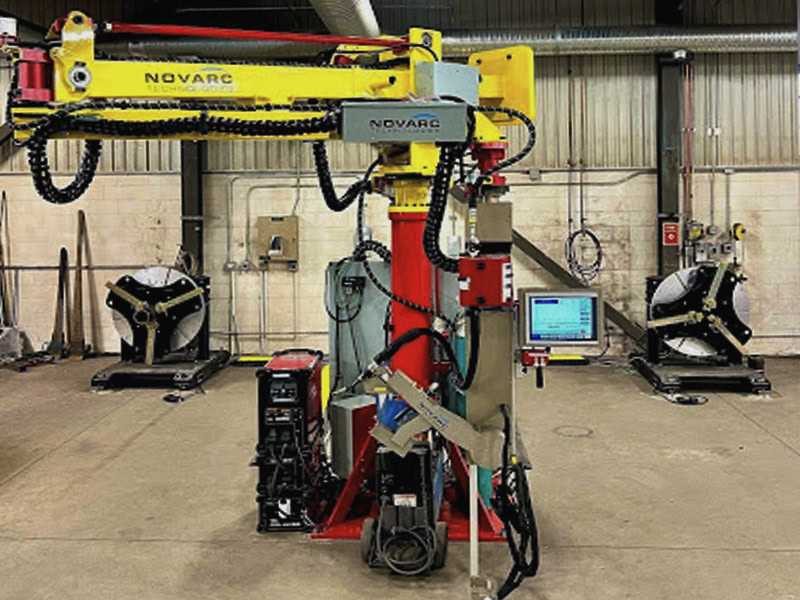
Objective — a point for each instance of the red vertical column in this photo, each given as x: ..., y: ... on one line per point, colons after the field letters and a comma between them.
x: 411, y: 280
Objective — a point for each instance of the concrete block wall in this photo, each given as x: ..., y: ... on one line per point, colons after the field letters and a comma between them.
x: 619, y: 207
x: 623, y: 216
x: 131, y: 220
x: 769, y: 206
x: 293, y: 299
x: 135, y: 220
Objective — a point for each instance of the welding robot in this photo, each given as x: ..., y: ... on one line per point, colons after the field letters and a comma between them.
x: 422, y: 116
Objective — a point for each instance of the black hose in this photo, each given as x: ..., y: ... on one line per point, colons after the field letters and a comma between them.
x: 362, y: 243
x: 512, y: 503
x: 474, y: 347
x: 448, y: 154
x: 387, y: 324
x: 412, y: 335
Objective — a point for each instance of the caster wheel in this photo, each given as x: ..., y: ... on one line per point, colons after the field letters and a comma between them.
x: 441, y: 545
x: 367, y: 531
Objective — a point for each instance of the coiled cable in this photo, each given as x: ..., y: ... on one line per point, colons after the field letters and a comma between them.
x: 584, y: 272
x: 421, y: 546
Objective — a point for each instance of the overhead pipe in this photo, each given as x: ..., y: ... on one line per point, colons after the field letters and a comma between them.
x: 348, y: 17
x: 625, y: 40
x: 250, y: 50
x: 545, y: 42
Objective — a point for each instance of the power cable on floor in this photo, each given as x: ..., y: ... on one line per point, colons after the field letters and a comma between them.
x: 683, y: 399
x: 176, y: 398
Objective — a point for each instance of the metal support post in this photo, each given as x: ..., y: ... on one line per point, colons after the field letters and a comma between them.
x: 192, y: 199
x: 474, y: 550
x: 670, y: 158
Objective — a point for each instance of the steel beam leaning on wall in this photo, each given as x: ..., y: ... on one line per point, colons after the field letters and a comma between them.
x: 631, y: 329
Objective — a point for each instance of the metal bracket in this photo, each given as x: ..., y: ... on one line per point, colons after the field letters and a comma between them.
x: 485, y: 445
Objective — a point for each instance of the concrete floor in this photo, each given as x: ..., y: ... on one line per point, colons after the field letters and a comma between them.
x: 119, y: 495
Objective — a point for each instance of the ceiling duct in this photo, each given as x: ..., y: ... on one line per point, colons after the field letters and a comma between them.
x: 348, y: 17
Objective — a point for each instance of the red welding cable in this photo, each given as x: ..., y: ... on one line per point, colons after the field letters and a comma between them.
x: 241, y: 34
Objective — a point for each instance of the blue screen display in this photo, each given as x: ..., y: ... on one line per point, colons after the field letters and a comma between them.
x: 562, y: 319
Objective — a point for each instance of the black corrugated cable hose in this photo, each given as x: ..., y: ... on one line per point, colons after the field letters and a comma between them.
x: 360, y: 252
x: 362, y: 243
x: 323, y: 169
x: 512, y: 503
x: 448, y: 154
x: 63, y: 121
x: 512, y: 160
x: 440, y: 188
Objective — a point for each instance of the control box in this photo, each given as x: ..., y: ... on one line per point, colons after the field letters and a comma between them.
x: 486, y: 281
x: 404, y: 122
x: 277, y: 240
x: 447, y: 79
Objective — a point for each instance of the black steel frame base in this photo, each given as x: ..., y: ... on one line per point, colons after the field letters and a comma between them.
x: 676, y: 377
x: 180, y: 375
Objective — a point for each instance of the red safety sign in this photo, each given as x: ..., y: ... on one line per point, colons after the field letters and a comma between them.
x: 670, y: 234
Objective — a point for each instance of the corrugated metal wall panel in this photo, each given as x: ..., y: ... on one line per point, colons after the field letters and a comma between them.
x: 757, y: 116
x: 397, y: 17
x: 757, y: 112
x: 749, y: 99
x: 618, y: 112
x: 117, y: 157
x: 44, y: 12
x: 709, y: 12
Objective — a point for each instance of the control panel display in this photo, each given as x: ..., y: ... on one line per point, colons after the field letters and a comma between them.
x: 554, y: 319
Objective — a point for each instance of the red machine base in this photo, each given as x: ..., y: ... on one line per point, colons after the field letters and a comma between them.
x: 339, y: 527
